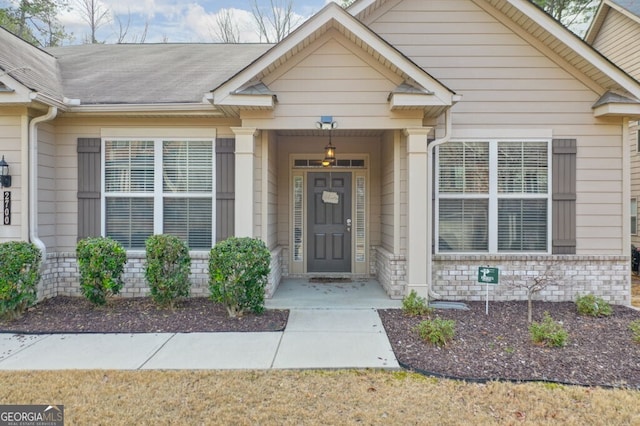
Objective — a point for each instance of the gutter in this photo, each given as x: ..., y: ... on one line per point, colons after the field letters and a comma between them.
x: 33, y: 179
x: 430, y: 222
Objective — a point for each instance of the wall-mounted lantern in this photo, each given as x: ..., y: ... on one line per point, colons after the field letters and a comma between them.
x: 5, y: 177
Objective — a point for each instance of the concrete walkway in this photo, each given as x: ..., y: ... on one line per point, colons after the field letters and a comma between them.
x: 321, y: 333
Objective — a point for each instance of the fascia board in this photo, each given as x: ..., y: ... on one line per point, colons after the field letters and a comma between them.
x: 596, y: 22
x: 617, y: 110
x: 415, y: 100
x: 263, y: 101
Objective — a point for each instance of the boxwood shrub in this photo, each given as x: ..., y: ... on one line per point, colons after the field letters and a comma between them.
x: 167, y: 269
x: 19, y: 277
x: 238, y: 272
x: 101, y: 262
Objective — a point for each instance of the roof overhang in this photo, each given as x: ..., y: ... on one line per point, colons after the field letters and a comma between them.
x: 246, y: 91
x: 616, y: 105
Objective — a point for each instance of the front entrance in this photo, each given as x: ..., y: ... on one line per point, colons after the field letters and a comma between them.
x: 329, y: 222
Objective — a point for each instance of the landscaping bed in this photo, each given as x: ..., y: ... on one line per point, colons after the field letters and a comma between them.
x: 599, y: 351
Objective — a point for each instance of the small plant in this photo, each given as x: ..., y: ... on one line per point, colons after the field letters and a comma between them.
x: 19, y: 276
x: 437, y: 331
x: 238, y: 272
x: 167, y: 269
x: 101, y: 264
x: 414, y: 305
x: 634, y: 327
x: 548, y: 332
x: 593, y: 306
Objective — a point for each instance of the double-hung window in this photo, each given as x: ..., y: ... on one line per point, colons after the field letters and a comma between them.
x: 493, y: 196
x: 158, y: 186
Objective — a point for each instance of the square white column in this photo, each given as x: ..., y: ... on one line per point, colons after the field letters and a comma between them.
x: 245, y: 180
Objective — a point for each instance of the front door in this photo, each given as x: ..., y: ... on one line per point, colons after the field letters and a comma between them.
x: 329, y: 222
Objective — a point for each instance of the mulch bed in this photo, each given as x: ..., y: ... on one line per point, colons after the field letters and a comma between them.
x: 600, y: 351
x: 138, y: 315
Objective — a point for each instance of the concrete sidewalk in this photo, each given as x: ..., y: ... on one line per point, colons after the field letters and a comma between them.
x: 313, y: 338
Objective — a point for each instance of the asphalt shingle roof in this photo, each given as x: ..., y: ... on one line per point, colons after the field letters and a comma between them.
x: 149, y: 73
x: 32, y: 67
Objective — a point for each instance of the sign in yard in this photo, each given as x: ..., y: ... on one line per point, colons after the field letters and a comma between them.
x: 488, y: 276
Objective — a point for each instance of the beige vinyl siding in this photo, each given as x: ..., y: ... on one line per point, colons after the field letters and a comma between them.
x: 68, y: 130
x: 47, y: 206
x: 388, y: 193
x: 618, y: 40
x: 11, y: 130
x: 506, y: 82
x: 335, y: 78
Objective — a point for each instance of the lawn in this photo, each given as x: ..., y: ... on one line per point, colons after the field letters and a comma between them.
x: 311, y: 397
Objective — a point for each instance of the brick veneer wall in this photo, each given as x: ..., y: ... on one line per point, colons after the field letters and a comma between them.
x: 456, y: 277
x: 60, y: 275
x: 391, y: 271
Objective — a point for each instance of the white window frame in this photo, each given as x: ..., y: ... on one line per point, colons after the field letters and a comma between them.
x: 158, y: 193
x: 493, y: 196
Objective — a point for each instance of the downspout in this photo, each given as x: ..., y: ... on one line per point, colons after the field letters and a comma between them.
x: 33, y: 180
x: 430, y: 150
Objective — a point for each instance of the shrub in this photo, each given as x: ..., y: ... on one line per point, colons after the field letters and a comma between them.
x: 437, y: 331
x: 414, y: 305
x: 167, y: 269
x: 238, y: 271
x: 548, y: 332
x: 19, y: 276
x: 101, y: 264
x: 634, y: 326
x: 593, y: 306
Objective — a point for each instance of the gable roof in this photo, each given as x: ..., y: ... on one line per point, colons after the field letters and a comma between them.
x: 629, y: 8
x: 426, y: 92
x: 30, y: 66
x: 527, y: 17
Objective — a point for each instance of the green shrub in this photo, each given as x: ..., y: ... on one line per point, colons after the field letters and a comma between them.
x: 19, y: 276
x: 548, y: 332
x: 101, y: 264
x: 593, y: 306
x: 167, y: 269
x: 414, y: 305
x: 634, y: 326
x: 238, y: 272
x: 437, y: 331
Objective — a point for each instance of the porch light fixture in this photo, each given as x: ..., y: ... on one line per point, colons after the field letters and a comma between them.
x: 5, y: 177
x: 326, y: 123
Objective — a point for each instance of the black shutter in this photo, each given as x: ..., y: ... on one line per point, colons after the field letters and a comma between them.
x: 564, y: 196
x: 89, y: 174
x: 225, y: 188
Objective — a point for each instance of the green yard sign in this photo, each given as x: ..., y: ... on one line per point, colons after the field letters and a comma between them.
x: 488, y: 275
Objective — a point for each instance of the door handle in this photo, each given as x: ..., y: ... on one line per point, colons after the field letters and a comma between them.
x: 348, y: 225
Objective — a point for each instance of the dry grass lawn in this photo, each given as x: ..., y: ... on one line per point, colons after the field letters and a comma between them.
x: 310, y: 397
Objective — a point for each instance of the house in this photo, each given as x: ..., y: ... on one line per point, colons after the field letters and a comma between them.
x: 614, y: 32
x: 457, y: 135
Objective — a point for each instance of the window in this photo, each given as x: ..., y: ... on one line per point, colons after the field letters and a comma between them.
x: 158, y: 186
x: 634, y: 216
x: 493, y: 196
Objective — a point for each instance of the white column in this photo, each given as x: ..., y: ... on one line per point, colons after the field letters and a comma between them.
x: 417, y: 209
x: 245, y: 181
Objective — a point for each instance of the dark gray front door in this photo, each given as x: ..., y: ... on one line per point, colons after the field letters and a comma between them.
x: 329, y: 222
